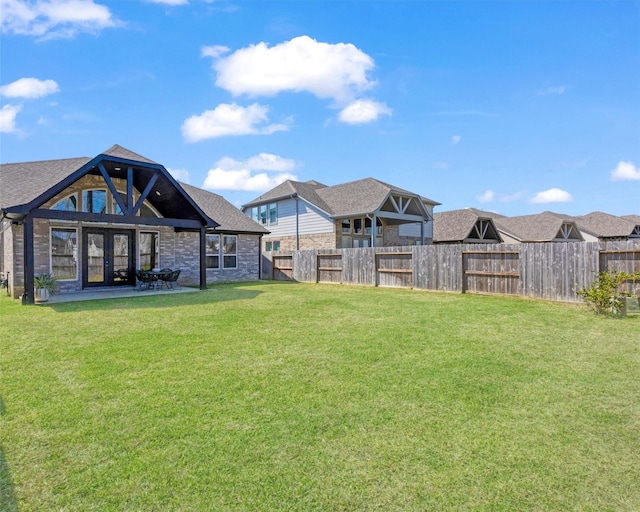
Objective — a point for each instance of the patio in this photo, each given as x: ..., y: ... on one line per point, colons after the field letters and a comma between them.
x: 120, y: 292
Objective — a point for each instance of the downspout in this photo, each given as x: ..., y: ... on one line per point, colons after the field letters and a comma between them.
x: 259, y: 257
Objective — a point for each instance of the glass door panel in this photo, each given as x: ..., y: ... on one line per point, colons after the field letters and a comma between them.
x: 95, y: 256
x: 108, y: 257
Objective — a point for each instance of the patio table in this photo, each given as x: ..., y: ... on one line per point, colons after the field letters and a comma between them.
x: 157, y: 277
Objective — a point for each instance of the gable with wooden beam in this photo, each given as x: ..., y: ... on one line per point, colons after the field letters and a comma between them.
x: 100, y: 202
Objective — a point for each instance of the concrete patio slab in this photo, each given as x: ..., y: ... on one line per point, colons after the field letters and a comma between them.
x: 111, y: 293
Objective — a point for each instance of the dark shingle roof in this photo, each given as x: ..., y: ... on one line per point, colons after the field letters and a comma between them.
x: 223, y: 212
x: 307, y: 190
x: 457, y: 225
x: 35, y: 178
x: 604, y: 225
x: 541, y: 227
x: 352, y: 198
x: 22, y: 182
x: 120, y: 152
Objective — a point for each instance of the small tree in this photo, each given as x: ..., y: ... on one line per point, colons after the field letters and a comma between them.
x: 604, y: 294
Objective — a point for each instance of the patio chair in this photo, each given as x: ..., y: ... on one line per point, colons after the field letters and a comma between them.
x: 171, y: 279
x: 162, y: 276
x: 144, y: 279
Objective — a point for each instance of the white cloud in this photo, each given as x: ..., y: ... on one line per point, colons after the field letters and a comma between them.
x: 229, y: 119
x: 337, y: 71
x: 553, y: 195
x: 625, y: 171
x: 554, y: 90
x: 48, y: 19
x: 363, y: 111
x: 486, y: 197
x: 214, y: 52
x: 29, y: 88
x: 269, y: 162
x: 8, y: 115
x: 231, y: 174
x: 455, y: 139
x: 180, y: 174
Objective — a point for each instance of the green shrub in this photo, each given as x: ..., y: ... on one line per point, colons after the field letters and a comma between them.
x: 45, y: 282
x: 604, y: 294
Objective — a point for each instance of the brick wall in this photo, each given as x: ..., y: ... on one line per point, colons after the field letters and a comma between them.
x: 187, y: 250
x: 311, y: 241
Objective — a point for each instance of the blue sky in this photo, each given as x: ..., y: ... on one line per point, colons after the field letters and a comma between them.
x: 511, y: 106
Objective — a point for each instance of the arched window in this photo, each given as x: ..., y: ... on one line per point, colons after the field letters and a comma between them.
x: 68, y: 204
x: 94, y: 201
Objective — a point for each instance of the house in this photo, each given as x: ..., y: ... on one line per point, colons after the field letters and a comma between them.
x: 541, y: 227
x: 310, y: 215
x: 91, y: 222
x: 466, y: 226
x: 606, y: 227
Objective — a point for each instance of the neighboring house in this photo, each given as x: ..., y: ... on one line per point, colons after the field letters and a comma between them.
x: 467, y: 226
x: 541, y: 227
x: 603, y: 226
x: 85, y: 219
x: 310, y: 215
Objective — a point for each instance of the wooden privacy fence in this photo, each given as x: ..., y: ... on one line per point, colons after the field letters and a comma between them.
x: 551, y: 271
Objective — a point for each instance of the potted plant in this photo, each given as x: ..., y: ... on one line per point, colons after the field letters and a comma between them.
x: 44, y: 285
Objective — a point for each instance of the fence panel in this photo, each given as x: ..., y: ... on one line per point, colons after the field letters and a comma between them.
x: 329, y: 267
x: 425, y: 269
x: 282, y: 267
x: 394, y: 269
x: 623, y: 256
x: 358, y: 266
x: 491, y: 269
x: 304, y: 266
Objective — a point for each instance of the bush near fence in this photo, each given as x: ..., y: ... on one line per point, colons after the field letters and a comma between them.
x: 550, y: 271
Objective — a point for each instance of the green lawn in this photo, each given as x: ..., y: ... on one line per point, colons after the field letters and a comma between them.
x: 277, y: 396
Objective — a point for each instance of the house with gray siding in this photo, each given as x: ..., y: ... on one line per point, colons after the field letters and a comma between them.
x: 362, y: 213
x: 92, y: 222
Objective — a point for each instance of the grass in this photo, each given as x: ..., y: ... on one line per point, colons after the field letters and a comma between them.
x: 276, y: 396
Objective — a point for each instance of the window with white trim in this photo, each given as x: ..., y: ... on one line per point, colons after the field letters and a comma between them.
x: 213, y: 251
x: 149, y: 250
x: 229, y: 251
x: 273, y: 213
x: 64, y: 254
